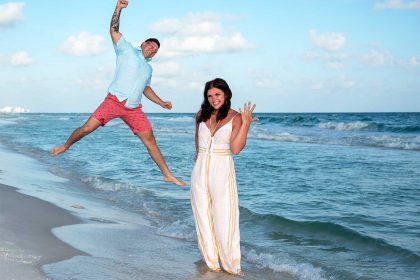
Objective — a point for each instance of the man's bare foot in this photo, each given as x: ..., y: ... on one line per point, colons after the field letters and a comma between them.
x: 58, y: 150
x: 172, y: 179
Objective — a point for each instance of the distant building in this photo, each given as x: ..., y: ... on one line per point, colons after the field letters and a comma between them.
x: 9, y: 109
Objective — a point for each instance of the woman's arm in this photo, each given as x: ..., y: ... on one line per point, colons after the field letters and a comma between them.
x: 240, y: 128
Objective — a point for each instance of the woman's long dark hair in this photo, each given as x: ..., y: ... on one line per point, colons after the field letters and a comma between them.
x: 207, y: 109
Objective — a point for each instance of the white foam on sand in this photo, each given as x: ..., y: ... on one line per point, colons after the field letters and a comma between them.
x: 118, y: 244
x: 16, y: 263
x: 285, y: 264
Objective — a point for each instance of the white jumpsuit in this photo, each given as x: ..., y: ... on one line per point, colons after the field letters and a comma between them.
x: 214, y: 200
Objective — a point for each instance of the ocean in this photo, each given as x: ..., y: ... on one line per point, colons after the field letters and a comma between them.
x: 322, y: 195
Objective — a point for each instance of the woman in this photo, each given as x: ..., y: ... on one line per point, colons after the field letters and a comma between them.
x: 214, y: 198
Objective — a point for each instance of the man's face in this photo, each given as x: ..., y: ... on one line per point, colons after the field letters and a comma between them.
x: 149, y: 49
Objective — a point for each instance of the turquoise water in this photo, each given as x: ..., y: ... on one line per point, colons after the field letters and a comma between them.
x: 322, y: 196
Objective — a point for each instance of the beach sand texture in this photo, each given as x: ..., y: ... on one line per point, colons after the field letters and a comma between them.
x: 26, y: 241
x: 27, y: 244
x: 50, y: 234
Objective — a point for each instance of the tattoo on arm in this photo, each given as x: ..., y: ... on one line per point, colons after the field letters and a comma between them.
x: 115, y: 21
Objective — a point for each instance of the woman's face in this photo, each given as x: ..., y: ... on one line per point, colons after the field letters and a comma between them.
x: 216, y: 98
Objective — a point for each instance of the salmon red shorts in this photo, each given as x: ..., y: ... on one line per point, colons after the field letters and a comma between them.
x: 112, y: 108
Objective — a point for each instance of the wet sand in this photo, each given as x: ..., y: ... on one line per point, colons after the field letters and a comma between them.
x: 26, y: 240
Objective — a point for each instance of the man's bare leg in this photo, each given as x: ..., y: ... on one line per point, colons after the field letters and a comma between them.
x: 149, y: 142
x: 90, y: 126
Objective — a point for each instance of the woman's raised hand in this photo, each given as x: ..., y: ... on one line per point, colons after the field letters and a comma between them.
x: 246, y: 114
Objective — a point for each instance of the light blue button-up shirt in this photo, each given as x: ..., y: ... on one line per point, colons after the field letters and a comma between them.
x: 132, y: 74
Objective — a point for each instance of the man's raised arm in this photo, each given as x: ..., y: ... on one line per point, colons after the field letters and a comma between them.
x: 115, y: 21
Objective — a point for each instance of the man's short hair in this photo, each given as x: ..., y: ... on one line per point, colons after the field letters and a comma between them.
x: 153, y: 40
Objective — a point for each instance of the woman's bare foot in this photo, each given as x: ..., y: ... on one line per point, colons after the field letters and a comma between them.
x: 172, y: 179
x: 216, y: 269
x: 58, y: 150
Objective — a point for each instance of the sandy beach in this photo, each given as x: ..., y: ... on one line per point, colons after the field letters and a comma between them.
x: 26, y: 240
x: 29, y: 249
x: 52, y: 228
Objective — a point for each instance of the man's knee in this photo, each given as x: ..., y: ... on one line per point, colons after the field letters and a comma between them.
x: 91, y: 125
x: 148, y: 139
x: 150, y: 143
x: 86, y: 129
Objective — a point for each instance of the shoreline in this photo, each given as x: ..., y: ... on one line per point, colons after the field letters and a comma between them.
x: 27, y: 242
x: 293, y: 223
x: 43, y: 235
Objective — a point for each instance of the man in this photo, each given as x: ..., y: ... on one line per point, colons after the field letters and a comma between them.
x: 132, y: 78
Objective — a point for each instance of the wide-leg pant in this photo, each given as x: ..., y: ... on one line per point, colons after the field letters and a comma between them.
x: 214, y: 202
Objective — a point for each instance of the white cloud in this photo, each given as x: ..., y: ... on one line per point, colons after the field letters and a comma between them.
x: 194, y: 45
x: 167, y: 74
x: 178, y: 76
x: 346, y: 84
x: 97, y: 78
x: 398, y: 5
x: 263, y: 79
x: 333, y: 84
x: 317, y: 85
x: 376, y: 58
x: 326, y: 56
x: 194, y: 24
x: 20, y: 59
x: 18, y: 81
x: 84, y: 44
x: 334, y: 66
x: 10, y: 14
x: 16, y: 59
x: 266, y: 82
x: 185, y: 83
x: 385, y: 59
x: 197, y: 34
x: 332, y: 60
x: 93, y: 83
x: 9, y: 109
x: 168, y: 69
x: 327, y: 41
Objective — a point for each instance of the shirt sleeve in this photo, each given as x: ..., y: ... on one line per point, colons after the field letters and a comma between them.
x: 121, y: 46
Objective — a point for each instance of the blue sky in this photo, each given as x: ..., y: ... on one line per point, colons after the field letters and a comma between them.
x: 285, y: 56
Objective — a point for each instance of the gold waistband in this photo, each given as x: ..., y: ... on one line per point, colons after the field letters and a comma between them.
x: 219, y: 152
